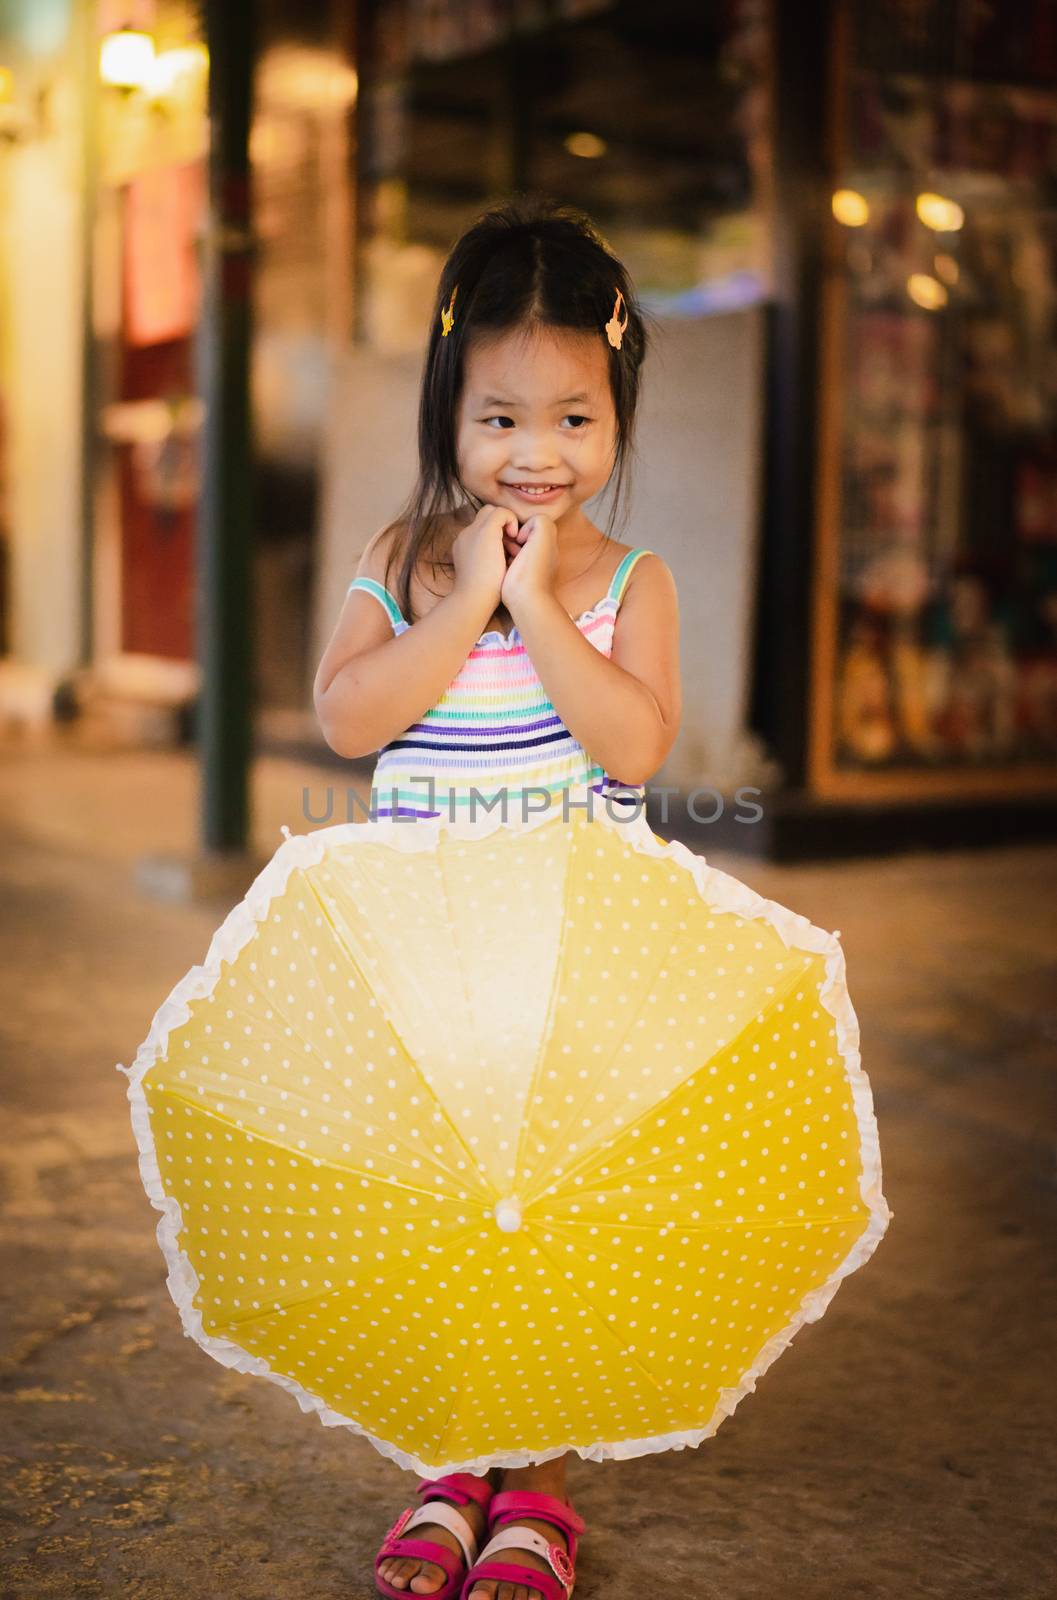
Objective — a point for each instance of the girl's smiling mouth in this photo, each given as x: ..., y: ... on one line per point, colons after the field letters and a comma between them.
x: 537, y: 492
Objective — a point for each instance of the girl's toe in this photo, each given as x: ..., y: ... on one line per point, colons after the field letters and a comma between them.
x: 429, y: 1580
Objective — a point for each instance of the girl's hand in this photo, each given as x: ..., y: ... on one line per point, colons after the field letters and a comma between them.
x: 479, y: 552
x: 534, y: 569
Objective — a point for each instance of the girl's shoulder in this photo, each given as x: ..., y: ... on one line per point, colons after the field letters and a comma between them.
x: 639, y: 567
x: 382, y: 552
x: 648, y: 605
x: 389, y: 545
x: 384, y: 557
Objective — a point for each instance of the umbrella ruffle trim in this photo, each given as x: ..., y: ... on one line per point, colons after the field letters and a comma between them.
x: 718, y: 888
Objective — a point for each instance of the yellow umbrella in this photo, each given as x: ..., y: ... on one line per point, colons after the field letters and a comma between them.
x: 491, y: 1140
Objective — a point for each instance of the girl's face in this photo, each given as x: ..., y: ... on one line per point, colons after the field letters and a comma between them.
x: 536, y: 429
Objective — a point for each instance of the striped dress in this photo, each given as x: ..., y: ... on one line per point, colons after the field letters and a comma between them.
x: 494, y: 731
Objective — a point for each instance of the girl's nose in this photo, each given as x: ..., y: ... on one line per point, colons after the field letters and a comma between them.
x: 534, y: 457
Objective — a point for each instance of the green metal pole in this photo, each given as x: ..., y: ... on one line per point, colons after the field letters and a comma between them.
x: 223, y: 546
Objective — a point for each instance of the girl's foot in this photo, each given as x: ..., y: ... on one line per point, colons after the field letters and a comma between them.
x: 547, y: 1478
x: 418, y: 1576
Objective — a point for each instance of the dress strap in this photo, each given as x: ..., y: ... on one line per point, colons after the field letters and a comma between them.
x: 623, y: 572
x: 380, y: 592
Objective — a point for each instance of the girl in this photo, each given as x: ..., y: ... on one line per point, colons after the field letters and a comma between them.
x: 519, y: 651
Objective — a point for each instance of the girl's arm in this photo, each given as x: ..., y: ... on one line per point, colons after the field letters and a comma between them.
x: 371, y: 684
x: 624, y: 711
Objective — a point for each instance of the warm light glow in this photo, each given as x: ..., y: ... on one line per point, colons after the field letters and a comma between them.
x: 945, y: 267
x: 7, y: 85
x: 173, y: 67
x: 296, y: 77
x: 937, y: 212
x: 926, y: 292
x: 587, y: 145
x: 850, y: 207
x: 126, y: 58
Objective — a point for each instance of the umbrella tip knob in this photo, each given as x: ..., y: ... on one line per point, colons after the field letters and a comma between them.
x: 508, y: 1215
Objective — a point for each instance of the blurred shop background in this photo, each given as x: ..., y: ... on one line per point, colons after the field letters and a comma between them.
x: 844, y: 216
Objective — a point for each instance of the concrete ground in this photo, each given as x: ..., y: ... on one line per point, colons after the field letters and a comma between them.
x: 903, y: 1446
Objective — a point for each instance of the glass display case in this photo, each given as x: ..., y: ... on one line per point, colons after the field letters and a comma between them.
x: 934, y: 668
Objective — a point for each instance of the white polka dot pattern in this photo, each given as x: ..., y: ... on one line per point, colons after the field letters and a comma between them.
x: 509, y: 1140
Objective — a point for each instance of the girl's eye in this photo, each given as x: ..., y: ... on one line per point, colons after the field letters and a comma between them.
x: 578, y: 422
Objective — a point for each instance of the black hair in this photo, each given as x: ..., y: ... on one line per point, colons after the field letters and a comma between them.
x: 526, y: 264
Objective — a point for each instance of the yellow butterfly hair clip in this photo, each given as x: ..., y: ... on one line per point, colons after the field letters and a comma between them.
x: 447, y: 315
x: 614, y: 327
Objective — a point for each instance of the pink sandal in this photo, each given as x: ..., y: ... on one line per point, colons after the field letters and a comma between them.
x: 507, y: 1507
x: 461, y: 1486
